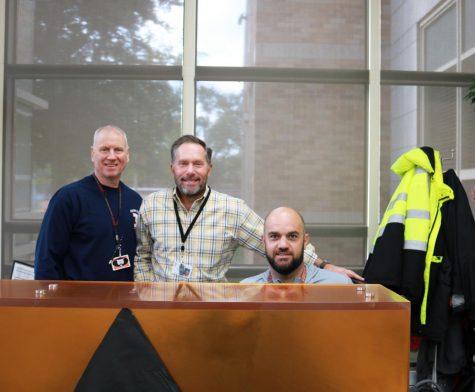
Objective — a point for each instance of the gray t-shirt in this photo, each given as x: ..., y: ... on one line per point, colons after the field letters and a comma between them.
x: 314, y: 275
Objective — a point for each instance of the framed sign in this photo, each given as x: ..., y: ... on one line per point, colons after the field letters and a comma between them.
x: 22, y: 271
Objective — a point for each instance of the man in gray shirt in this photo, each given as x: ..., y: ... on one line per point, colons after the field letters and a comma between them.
x: 285, y: 240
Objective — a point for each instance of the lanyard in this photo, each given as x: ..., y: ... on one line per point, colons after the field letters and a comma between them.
x: 300, y: 279
x: 115, y: 222
x: 183, y: 235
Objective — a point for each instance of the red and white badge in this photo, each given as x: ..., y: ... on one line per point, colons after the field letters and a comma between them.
x: 120, y: 262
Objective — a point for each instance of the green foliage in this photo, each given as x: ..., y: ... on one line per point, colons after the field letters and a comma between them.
x: 471, y: 93
x: 219, y: 123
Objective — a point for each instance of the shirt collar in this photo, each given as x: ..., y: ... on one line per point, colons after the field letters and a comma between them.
x: 196, y: 203
x: 298, y: 279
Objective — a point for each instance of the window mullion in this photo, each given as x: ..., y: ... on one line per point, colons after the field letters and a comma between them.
x: 374, y: 119
x: 189, y: 67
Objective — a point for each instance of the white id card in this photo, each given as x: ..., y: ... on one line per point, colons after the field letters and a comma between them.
x: 120, y: 262
x: 182, y: 269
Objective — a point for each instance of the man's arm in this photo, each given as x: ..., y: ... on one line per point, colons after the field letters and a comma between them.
x: 341, y: 270
x: 143, y: 271
x: 250, y: 230
x: 53, y: 240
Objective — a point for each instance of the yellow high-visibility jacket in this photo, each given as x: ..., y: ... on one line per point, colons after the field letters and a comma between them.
x: 403, y: 248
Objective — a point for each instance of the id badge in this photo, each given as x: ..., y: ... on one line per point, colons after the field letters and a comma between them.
x: 120, y: 262
x: 182, y: 269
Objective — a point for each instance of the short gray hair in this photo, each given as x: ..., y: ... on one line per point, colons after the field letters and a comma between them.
x: 112, y: 127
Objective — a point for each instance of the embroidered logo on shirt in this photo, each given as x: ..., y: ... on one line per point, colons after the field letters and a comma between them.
x: 135, y: 214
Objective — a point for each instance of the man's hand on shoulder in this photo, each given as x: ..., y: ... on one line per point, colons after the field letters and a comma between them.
x: 341, y: 270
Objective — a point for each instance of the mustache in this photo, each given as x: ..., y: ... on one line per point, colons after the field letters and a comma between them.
x: 189, y: 177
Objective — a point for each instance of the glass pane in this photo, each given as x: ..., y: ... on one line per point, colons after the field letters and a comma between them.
x: 24, y: 247
x: 440, y: 41
x: 221, y: 35
x: 399, y: 33
x: 468, y: 134
x: 53, y: 127
x: 292, y: 138
x: 406, y: 125
x: 399, y: 134
x: 440, y: 122
x: 468, y: 16
x: 280, y: 33
x: 300, y: 145
x: 219, y: 121
x: 468, y: 64
x: 97, y: 32
x: 400, y: 26
x: 399, y: 130
x: 343, y: 251
x: 309, y: 150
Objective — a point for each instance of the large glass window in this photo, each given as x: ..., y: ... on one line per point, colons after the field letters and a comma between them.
x: 428, y: 108
x: 277, y: 88
x: 282, y: 134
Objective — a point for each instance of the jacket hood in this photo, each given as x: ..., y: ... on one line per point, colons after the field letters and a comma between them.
x: 418, y: 157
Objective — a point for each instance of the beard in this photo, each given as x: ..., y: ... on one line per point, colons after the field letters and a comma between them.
x: 286, y: 269
x: 190, y: 192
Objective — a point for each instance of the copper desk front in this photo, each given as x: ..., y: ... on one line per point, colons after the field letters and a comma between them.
x: 211, y: 337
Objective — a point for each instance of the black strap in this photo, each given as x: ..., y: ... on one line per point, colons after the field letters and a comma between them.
x: 115, y: 222
x: 183, y: 235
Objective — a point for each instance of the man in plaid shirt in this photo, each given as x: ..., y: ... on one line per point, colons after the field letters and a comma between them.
x: 190, y: 233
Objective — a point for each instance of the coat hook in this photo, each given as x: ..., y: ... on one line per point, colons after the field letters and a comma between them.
x: 452, y: 156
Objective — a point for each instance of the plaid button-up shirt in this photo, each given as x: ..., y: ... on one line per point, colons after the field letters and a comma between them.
x: 224, y: 224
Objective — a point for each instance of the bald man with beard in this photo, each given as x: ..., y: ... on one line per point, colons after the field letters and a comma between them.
x: 284, y: 240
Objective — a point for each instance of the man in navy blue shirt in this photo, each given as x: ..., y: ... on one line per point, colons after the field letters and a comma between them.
x: 88, y: 229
